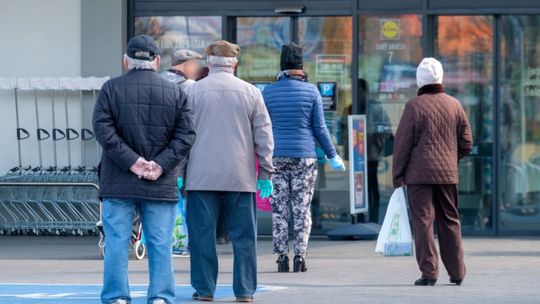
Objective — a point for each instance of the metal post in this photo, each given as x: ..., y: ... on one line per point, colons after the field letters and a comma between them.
x: 497, y: 159
x: 67, y: 127
x: 98, y: 152
x: 38, y: 128
x: 53, y: 112
x: 83, y: 161
x: 18, y: 128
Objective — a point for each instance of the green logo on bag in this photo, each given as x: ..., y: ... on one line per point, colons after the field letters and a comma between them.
x: 394, y: 234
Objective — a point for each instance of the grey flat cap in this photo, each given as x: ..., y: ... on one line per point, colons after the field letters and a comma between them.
x: 182, y: 56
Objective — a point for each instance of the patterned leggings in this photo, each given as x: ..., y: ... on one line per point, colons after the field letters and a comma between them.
x: 294, y: 184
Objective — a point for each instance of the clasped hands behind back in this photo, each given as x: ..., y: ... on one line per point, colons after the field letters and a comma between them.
x: 149, y: 170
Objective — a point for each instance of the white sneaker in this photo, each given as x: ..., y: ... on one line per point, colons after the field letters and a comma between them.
x: 120, y: 301
x: 159, y: 301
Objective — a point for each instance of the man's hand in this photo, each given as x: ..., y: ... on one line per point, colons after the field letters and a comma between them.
x: 153, y: 171
x: 180, y: 183
x: 139, y: 168
x: 149, y: 170
x: 266, y: 187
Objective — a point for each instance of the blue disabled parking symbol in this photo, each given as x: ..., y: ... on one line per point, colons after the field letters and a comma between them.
x: 82, y: 294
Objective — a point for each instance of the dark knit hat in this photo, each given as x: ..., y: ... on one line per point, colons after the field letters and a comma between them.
x: 292, y: 57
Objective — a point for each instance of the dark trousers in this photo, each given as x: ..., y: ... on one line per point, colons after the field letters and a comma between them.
x: 202, y: 216
x: 373, y: 191
x: 437, y: 202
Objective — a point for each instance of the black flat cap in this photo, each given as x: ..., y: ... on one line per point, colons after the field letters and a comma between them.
x: 142, y: 47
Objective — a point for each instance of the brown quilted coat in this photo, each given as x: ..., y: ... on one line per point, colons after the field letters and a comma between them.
x: 432, y: 136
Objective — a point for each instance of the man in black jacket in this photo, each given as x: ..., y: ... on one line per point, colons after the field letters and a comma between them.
x: 144, y: 124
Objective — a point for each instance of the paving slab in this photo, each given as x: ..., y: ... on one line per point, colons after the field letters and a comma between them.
x: 69, y: 270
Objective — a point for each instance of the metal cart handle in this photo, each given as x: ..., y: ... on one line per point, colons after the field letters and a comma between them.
x: 22, y: 134
x: 58, y: 134
x: 72, y: 134
x: 87, y: 134
x: 42, y: 134
x: 48, y: 184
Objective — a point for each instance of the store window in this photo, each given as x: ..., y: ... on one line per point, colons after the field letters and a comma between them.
x: 464, y: 44
x: 179, y: 32
x: 260, y: 40
x: 327, y: 44
x: 520, y: 123
x: 390, y: 50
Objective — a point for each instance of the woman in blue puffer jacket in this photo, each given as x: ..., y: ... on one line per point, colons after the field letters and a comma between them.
x: 296, y: 110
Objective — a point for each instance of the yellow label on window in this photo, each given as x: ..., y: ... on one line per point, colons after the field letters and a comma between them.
x: 390, y: 29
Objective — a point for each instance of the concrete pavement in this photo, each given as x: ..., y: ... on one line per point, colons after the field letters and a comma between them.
x: 500, y: 270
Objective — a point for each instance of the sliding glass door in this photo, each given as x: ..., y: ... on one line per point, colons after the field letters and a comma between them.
x: 327, y: 44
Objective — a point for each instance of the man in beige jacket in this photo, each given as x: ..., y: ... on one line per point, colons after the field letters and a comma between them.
x: 233, y: 130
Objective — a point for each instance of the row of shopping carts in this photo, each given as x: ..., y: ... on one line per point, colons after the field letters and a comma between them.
x: 51, y: 200
x: 34, y: 201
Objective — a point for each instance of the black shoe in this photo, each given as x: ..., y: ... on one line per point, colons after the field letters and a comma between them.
x: 299, y: 264
x: 425, y: 282
x: 283, y: 263
x: 197, y: 297
x: 456, y: 281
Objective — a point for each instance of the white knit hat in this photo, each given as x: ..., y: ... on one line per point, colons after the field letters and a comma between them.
x: 429, y: 71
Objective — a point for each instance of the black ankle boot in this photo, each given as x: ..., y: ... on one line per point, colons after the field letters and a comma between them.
x: 425, y: 282
x: 283, y: 263
x: 299, y: 264
x: 456, y: 281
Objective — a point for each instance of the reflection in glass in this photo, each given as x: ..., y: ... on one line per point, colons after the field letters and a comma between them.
x: 260, y: 40
x: 520, y: 123
x: 181, y: 32
x: 327, y: 44
x: 390, y: 50
x: 464, y: 46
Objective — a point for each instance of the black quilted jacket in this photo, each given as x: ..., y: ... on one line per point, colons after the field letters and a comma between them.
x: 141, y: 114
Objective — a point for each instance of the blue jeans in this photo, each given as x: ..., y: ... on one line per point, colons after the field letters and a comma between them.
x: 158, y: 222
x: 202, y: 216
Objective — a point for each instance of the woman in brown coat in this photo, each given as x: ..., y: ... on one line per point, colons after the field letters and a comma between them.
x: 433, y: 135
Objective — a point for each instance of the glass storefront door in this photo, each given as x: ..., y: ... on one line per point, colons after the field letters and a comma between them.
x: 327, y: 44
x: 260, y: 40
x: 390, y: 49
x: 520, y: 124
x: 464, y: 44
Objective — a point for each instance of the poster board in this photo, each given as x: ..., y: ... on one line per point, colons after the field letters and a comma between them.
x: 358, y: 181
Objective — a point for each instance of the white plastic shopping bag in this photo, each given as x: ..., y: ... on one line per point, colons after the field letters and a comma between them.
x: 395, y: 238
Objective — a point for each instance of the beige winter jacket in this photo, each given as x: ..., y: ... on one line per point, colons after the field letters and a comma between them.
x: 233, y: 127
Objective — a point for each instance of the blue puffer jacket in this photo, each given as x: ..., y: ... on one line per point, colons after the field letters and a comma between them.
x: 296, y: 111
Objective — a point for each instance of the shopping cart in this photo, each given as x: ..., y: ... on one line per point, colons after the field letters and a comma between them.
x: 53, y: 200
x: 136, y: 245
